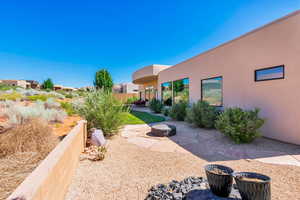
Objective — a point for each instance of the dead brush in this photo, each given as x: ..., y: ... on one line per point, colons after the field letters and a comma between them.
x: 21, y: 150
x: 33, y: 136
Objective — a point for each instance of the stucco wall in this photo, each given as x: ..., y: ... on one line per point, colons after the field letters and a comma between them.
x: 272, y: 45
x: 50, y: 180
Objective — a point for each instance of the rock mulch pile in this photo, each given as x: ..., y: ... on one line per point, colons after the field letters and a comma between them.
x: 94, y: 153
x: 191, y: 188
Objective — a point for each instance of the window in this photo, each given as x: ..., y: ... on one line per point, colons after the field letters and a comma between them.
x: 211, y: 91
x: 150, y: 93
x: 270, y: 73
x: 181, y: 90
x: 166, y: 93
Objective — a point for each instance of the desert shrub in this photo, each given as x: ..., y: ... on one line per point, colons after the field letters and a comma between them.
x: 102, y: 110
x: 51, y: 103
x: 155, y: 105
x: 178, y: 111
x: 202, y: 115
x: 5, y: 87
x: 11, y: 96
x: 20, y: 114
x: 40, y: 97
x: 69, y: 95
x: 68, y: 107
x: 240, y: 125
x: 21, y: 150
x: 33, y: 136
x: 166, y: 111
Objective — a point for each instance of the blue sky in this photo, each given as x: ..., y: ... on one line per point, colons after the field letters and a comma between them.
x: 69, y: 41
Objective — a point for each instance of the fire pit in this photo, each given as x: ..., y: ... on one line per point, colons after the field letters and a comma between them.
x: 163, y: 130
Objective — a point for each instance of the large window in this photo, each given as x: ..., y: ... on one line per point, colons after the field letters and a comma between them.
x: 211, y: 90
x: 166, y: 93
x: 270, y: 73
x: 181, y: 90
x: 150, y: 93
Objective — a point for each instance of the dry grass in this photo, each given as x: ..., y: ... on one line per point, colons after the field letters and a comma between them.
x: 21, y: 150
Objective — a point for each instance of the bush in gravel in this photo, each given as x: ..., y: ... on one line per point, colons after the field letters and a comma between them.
x: 178, y: 111
x: 155, y: 105
x: 202, y: 114
x: 103, y: 111
x: 240, y: 125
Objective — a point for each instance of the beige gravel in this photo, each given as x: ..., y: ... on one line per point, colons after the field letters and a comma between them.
x: 129, y: 170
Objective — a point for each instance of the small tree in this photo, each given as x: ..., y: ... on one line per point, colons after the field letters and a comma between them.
x: 48, y: 84
x: 103, y: 80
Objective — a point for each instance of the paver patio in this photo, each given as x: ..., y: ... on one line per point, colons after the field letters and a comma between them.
x: 136, y: 160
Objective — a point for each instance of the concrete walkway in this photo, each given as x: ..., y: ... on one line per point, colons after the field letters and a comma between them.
x: 212, y: 146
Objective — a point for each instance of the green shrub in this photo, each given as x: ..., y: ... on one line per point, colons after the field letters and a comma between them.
x: 10, y: 96
x: 240, y: 125
x: 102, y: 110
x: 202, y: 115
x: 166, y: 111
x: 155, y: 105
x: 178, y: 111
x: 68, y: 107
x: 40, y: 97
x: 5, y: 87
x: 69, y: 95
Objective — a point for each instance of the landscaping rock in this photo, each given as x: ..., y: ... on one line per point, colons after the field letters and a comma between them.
x: 97, y: 138
x: 163, y: 130
x: 191, y: 188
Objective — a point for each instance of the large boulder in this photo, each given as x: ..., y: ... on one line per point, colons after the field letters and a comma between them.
x: 97, y: 138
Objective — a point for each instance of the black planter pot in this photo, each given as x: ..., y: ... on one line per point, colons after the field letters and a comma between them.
x: 253, y: 190
x: 220, y: 184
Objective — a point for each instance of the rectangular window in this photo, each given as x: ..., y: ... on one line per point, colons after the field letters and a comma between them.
x: 211, y: 91
x: 181, y: 90
x: 166, y: 93
x: 270, y: 73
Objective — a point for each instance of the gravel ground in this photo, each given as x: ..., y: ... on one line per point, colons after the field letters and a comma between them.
x: 129, y: 170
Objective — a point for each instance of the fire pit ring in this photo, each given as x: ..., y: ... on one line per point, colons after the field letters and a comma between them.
x: 163, y: 130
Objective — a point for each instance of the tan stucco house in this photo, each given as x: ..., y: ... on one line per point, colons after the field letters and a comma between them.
x: 259, y: 69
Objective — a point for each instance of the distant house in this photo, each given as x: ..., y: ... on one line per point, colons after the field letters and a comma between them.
x: 18, y: 83
x: 33, y: 84
x: 60, y: 87
x: 126, y: 88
